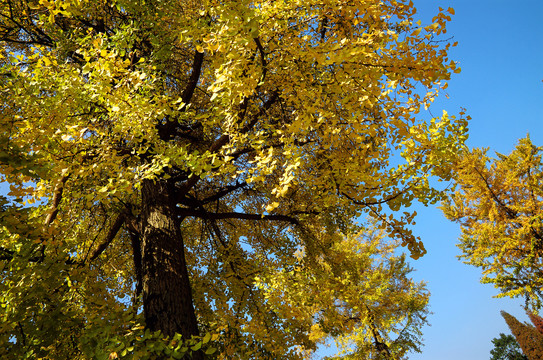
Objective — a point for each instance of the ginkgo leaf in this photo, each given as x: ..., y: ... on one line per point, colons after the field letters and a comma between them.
x: 498, y: 203
x: 183, y: 168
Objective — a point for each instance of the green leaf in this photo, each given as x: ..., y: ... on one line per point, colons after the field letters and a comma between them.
x: 206, y: 338
x: 197, y: 346
x: 210, y: 351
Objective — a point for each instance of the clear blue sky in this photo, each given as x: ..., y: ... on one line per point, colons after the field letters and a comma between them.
x: 500, y: 52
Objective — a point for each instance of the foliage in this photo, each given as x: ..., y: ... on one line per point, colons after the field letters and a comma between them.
x: 180, y: 157
x: 536, y: 320
x: 506, y: 348
x: 528, y: 337
x: 375, y: 303
x: 499, y: 204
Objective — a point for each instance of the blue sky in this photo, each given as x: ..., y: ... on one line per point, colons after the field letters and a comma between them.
x: 500, y: 52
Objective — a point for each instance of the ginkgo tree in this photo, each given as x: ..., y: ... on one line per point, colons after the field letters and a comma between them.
x: 528, y: 336
x: 175, y: 156
x: 499, y: 204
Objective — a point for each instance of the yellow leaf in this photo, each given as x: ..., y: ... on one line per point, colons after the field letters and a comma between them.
x: 272, y: 206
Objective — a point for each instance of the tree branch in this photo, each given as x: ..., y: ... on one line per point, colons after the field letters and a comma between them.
x: 6, y: 254
x: 223, y: 192
x: 511, y: 214
x: 136, y: 250
x: 117, y: 224
x: 379, y: 202
x: 57, y: 197
x: 166, y: 131
x: 224, y: 139
x: 242, y: 216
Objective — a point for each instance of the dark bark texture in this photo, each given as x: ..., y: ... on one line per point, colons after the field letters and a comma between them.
x: 167, y: 295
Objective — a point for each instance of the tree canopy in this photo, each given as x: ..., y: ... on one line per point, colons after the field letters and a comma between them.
x: 529, y: 337
x: 193, y: 171
x: 506, y: 348
x: 499, y: 203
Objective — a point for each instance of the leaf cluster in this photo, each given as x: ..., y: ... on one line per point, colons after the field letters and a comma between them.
x: 506, y: 348
x: 498, y: 203
x: 273, y: 125
x: 529, y: 337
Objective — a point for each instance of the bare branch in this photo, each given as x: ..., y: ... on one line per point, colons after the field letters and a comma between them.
x: 117, y: 224
x: 223, y: 192
x: 166, y: 131
x: 241, y: 216
x: 57, y: 197
x: 378, y: 202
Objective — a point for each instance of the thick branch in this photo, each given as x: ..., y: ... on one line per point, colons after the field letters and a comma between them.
x: 380, y: 346
x: 117, y: 224
x: 167, y: 130
x: 241, y: 216
x: 136, y: 249
x: 36, y: 35
x: 262, y: 61
x: 6, y: 254
x: 194, y: 77
x: 224, y: 139
x: 323, y: 28
x: 132, y: 224
x: 57, y: 197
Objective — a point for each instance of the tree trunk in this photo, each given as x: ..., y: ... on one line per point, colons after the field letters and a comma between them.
x: 167, y: 296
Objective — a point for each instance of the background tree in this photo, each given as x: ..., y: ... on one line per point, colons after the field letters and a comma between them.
x: 506, y: 348
x: 177, y: 152
x: 536, y: 320
x: 499, y: 203
x: 528, y: 337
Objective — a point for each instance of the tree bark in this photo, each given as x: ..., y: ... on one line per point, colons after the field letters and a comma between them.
x: 167, y: 295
